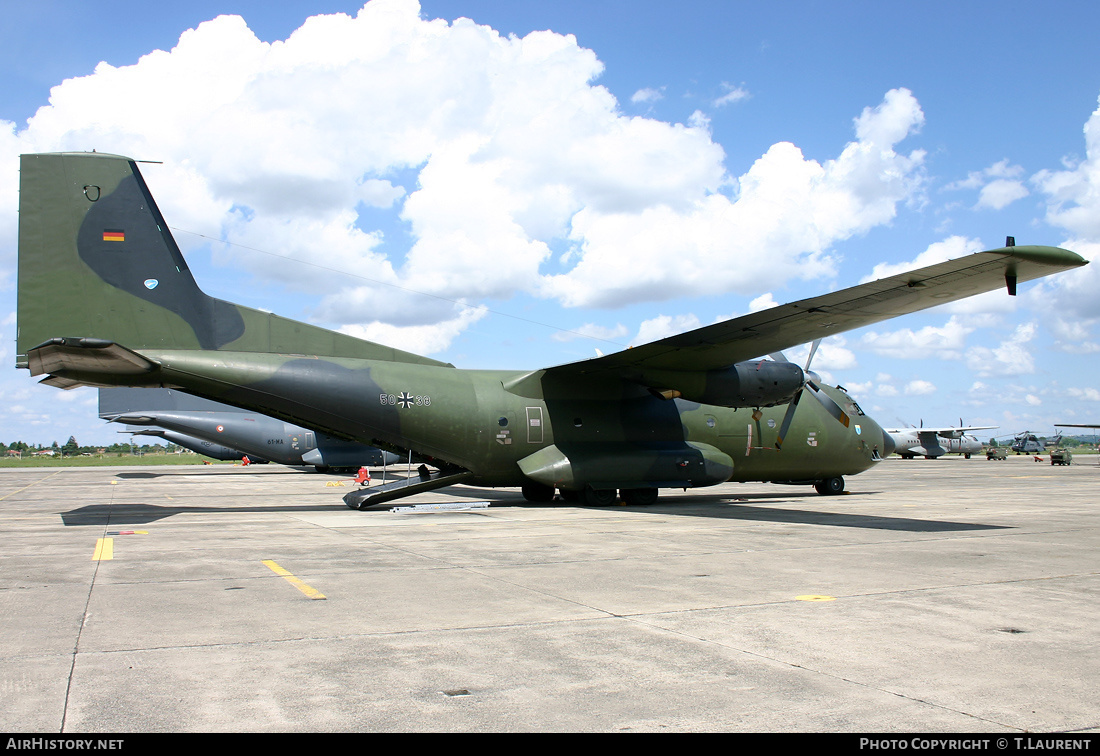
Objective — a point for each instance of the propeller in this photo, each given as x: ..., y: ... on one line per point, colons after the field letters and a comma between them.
x: 809, y: 382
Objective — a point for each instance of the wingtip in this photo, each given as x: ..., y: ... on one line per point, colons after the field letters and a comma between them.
x: 1055, y: 256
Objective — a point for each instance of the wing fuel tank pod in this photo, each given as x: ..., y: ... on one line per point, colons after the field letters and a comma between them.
x: 351, y: 457
x: 626, y: 466
x: 761, y: 383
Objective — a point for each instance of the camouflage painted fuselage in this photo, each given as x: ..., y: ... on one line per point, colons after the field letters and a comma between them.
x: 615, y: 434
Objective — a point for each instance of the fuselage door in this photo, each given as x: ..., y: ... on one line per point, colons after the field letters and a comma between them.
x: 534, y: 425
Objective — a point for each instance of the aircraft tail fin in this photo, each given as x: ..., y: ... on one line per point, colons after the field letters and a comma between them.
x: 97, y: 262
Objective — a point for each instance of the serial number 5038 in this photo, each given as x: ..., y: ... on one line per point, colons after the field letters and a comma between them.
x: 405, y: 400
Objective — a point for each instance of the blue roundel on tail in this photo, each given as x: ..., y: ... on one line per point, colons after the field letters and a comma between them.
x: 151, y: 283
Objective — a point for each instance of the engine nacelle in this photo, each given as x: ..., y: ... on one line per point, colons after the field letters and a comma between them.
x: 761, y: 383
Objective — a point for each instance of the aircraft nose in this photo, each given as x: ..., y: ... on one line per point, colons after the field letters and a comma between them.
x: 887, y: 444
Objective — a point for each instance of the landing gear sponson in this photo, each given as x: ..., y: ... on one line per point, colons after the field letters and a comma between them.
x: 428, y: 480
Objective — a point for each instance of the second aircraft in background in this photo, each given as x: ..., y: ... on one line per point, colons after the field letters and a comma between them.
x: 217, y: 430
x: 935, y: 442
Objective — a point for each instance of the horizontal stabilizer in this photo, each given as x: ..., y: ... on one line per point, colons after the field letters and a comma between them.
x: 73, y: 362
x: 132, y: 419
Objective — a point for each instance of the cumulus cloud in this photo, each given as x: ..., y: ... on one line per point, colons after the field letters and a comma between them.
x: 1073, y: 204
x: 648, y: 95
x: 950, y: 248
x: 486, y: 150
x: 1073, y: 194
x: 919, y: 388
x: 1000, y: 194
x: 832, y: 354
x: 704, y: 242
x: 418, y: 339
x: 593, y: 331
x: 859, y: 389
x: 763, y: 302
x: 945, y: 342
x: 1073, y: 336
x: 661, y: 326
x: 999, y: 185
x: 1010, y: 358
x: 733, y: 94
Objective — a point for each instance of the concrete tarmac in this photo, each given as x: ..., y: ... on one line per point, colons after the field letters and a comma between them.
x: 942, y: 595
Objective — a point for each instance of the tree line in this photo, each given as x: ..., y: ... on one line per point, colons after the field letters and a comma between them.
x: 73, y: 449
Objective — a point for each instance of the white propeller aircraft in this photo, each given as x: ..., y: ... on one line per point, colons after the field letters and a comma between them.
x: 935, y: 442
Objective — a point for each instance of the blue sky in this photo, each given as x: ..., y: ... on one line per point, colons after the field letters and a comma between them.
x: 659, y: 169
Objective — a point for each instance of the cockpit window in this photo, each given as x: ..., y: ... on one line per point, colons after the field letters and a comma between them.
x: 852, y: 407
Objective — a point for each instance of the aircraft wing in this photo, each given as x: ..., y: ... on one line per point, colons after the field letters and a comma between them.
x: 950, y: 432
x: 723, y: 344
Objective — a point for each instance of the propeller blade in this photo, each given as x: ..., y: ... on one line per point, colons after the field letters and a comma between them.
x: 826, y: 401
x: 787, y: 418
x: 813, y: 350
x: 830, y: 405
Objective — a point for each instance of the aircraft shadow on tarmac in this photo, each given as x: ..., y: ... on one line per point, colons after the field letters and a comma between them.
x: 143, y: 514
x: 718, y: 506
x: 222, y: 471
x: 776, y: 514
x: 726, y: 507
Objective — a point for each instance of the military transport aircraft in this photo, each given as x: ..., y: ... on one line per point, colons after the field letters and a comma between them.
x: 197, y: 445
x: 250, y: 433
x: 689, y: 410
x: 935, y: 442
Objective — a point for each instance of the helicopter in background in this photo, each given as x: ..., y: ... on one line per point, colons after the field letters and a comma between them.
x: 1027, y: 442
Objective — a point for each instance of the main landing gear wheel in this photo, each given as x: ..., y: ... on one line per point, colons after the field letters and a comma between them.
x: 639, y: 497
x: 830, y: 486
x: 603, y: 497
x: 538, y: 493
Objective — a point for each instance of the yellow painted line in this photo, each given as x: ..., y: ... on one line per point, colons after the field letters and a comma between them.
x: 24, y: 488
x: 104, y: 549
x: 312, y: 593
x: 815, y: 598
